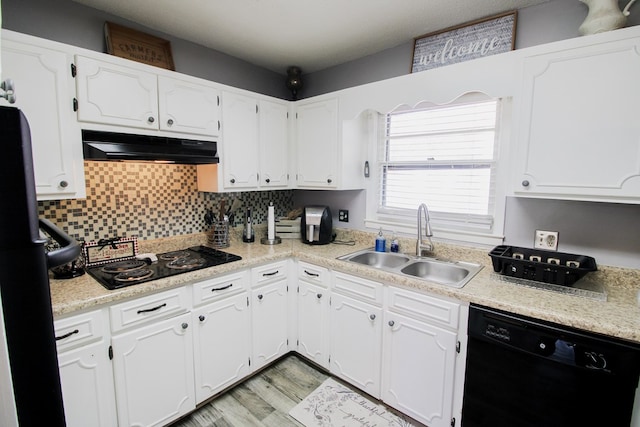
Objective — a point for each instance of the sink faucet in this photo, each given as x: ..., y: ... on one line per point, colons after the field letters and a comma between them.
x: 424, y: 247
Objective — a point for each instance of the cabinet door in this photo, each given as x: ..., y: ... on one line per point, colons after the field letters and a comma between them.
x: 355, y: 348
x: 188, y: 107
x: 317, y: 144
x: 116, y: 95
x: 418, y: 369
x: 274, y: 145
x: 579, y: 135
x: 222, y: 344
x: 313, y: 322
x: 44, y: 92
x: 239, y: 151
x: 87, y: 386
x: 269, y: 313
x: 153, y: 371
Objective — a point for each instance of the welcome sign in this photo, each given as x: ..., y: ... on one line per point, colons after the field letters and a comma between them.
x: 473, y: 40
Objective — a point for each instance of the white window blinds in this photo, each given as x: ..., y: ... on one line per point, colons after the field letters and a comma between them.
x: 445, y: 157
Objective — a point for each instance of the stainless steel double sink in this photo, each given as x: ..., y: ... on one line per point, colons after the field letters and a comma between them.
x: 451, y: 273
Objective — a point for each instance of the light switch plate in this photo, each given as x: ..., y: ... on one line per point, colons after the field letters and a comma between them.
x: 546, y: 240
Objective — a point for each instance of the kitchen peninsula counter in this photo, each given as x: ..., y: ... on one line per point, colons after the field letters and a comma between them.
x: 618, y: 316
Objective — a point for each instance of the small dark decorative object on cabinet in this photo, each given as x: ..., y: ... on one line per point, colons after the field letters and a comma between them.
x: 294, y: 80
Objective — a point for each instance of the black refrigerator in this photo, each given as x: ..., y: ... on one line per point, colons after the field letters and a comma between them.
x: 24, y: 280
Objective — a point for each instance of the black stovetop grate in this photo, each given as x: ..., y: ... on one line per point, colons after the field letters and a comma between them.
x: 160, y: 270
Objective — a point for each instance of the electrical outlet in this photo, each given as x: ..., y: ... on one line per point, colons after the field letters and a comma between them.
x: 546, y: 240
x: 343, y: 215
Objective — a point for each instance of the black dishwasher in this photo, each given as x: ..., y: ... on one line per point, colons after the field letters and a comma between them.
x: 526, y: 372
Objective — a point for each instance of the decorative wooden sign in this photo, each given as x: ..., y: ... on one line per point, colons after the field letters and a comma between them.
x: 105, y: 251
x: 137, y: 46
x: 476, y: 39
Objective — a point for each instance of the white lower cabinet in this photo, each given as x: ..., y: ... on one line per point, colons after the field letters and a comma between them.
x: 222, y: 337
x: 356, y: 335
x: 269, y: 313
x: 421, y: 356
x: 400, y: 346
x: 313, y: 313
x: 153, y: 358
x: 86, y: 375
x: 153, y: 370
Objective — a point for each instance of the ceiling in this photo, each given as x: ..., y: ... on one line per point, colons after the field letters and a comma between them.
x: 313, y: 35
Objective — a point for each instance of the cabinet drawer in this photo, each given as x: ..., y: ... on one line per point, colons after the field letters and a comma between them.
x: 269, y: 273
x: 218, y: 287
x: 152, y: 307
x: 425, y: 307
x: 79, y: 330
x: 362, y: 289
x: 312, y: 273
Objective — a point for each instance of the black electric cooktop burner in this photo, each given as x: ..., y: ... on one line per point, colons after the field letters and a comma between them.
x: 131, y: 272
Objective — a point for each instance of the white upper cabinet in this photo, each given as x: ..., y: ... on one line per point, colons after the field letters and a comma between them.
x: 188, y: 107
x: 114, y: 94
x: 331, y: 153
x: 274, y: 144
x: 579, y: 133
x: 317, y: 144
x: 254, y: 147
x: 239, y: 151
x: 41, y: 74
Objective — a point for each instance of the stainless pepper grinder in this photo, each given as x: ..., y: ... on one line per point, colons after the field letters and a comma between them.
x: 248, y: 235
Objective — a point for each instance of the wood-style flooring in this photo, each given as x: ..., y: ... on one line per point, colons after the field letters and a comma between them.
x: 262, y: 400
x: 265, y: 399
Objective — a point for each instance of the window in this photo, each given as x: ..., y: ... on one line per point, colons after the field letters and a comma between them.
x: 444, y: 156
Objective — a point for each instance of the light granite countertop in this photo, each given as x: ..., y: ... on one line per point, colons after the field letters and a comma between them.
x: 618, y: 316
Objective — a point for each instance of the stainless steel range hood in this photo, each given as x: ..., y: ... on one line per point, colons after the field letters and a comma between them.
x: 125, y: 147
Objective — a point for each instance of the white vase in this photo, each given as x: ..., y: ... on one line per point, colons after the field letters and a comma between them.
x: 604, y: 15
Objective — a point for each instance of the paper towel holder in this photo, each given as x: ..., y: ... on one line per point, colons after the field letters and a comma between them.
x: 275, y: 241
x: 267, y: 240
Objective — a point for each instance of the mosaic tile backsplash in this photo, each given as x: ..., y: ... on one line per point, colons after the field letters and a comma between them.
x: 150, y: 201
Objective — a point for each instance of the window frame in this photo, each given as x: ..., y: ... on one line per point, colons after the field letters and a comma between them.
x: 405, y: 222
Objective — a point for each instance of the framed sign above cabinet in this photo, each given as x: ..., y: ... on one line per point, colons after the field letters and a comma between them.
x: 137, y: 46
x: 477, y: 39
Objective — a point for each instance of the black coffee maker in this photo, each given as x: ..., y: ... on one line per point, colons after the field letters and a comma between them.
x: 316, y: 225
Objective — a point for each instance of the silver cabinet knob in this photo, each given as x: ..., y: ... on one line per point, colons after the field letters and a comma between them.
x: 372, y: 316
x: 64, y: 184
x: 260, y: 296
x: 267, y: 180
x: 185, y: 325
x: 151, y: 119
x: 391, y: 323
x: 232, y: 180
x: 329, y: 181
x: 319, y: 296
x: 525, y: 183
x: 7, y: 91
x: 170, y: 122
x: 201, y: 317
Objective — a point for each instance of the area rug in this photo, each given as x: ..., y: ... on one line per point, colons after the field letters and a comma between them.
x: 334, y: 405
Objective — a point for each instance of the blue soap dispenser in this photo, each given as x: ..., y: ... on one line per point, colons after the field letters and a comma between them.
x: 381, y: 242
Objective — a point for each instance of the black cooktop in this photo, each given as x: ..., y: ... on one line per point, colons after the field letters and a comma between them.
x: 119, y: 274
